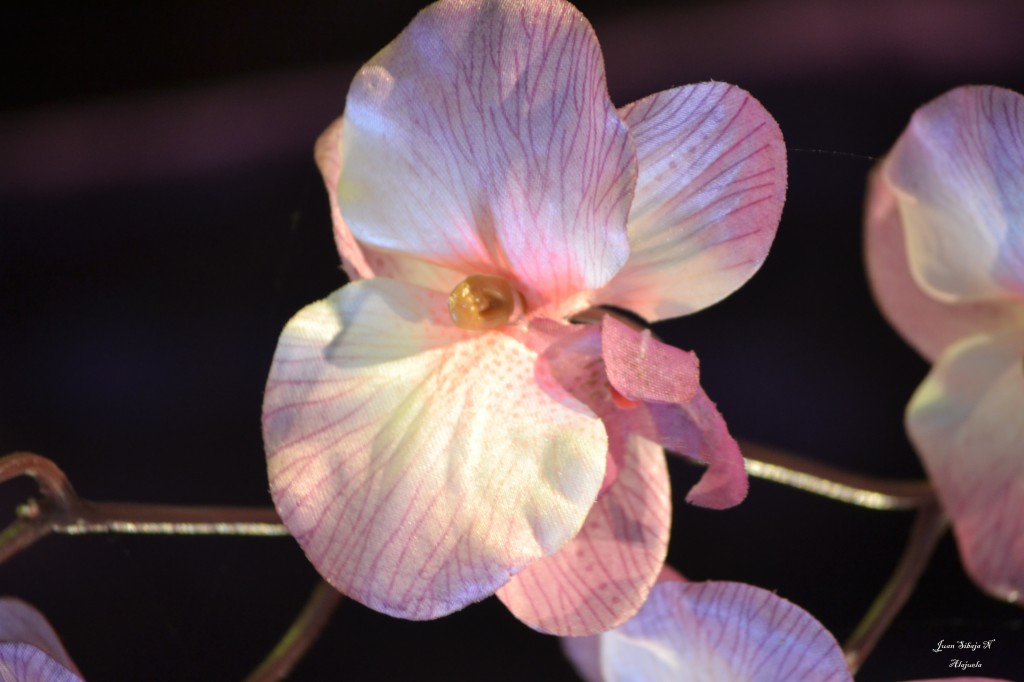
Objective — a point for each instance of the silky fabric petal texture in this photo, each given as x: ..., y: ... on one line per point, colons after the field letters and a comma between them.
x: 420, y: 466
x: 711, y: 185
x: 30, y: 651
x: 965, y: 421
x: 693, y: 428
x: 482, y: 139
x: 720, y: 632
x: 958, y: 175
x: 602, y: 577
x: 927, y: 324
x: 361, y: 261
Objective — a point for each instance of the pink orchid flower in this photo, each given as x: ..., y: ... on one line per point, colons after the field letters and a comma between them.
x: 711, y: 632
x: 30, y: 650
x: 438, y: 429
x: 945, y: 251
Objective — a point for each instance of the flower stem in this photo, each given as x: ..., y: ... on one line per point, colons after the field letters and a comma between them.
x: 61, y: 510
x: 832, y: 482
x: 300, y: 636
x: 929, y: 526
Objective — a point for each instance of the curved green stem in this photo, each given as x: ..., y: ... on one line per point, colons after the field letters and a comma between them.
x: 300, y: 636
x: 929, y: 526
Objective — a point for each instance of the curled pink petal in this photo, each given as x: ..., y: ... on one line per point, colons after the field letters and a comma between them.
x: 730, y: 632
x: 641, y: 368
x: 30, y: 650
x: 420, y: 466
x: 928, y: 324
x: 693, y: 428
x: 487, y: 125
x: 956, y: 172
x: 708, y: 199
x: 965, y: 421
x: 602, y: 577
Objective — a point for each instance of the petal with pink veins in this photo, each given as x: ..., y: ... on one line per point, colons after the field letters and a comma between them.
x: 928, y: 324
x: 602, y: 577
x: 720, y: 632
x: 956, y: 172
x: 482, y: 139
x: 965, y: 421
x: 709, y: 195
x: 420, y: 466
x: 30, y: 650
x: 642, y: 368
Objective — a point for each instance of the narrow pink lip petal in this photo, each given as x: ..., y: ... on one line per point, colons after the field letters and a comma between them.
x: 602, y: 577
x: 928, y: 324
x: 731, y: 632
x: 420, y: 466
x: 482, y: 139
x: 30, y: 650
x: 965, y: 422
x: 641, y: 368
x: 957, y: 172
x: 709, y: 196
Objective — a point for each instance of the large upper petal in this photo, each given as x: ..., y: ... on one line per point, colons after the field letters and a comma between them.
x: 30, y: 650
x: 602, y: 577
x: 720, y: 632
x: 482, y: 139
x: 927, y: 323
x: 708, y: 198
x: 418, y: 465
x: 965, y: 421
x: 958, y: 175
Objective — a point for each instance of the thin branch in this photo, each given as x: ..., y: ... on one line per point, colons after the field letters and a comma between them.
x: 300, y: 636
x: 60, y: 510
x: 832, y: 482
x: 929, y: 526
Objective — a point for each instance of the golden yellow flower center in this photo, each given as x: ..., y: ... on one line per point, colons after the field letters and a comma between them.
x: 483, y: 302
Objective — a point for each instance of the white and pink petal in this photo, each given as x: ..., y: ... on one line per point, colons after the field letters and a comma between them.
x: 602, y: 577
x: 927, y: 323
x: 709, y: 195
x: 957, y: 173
x: 965, y: 421
x: 420, y: 466
x: 30, y: 651
x: 482, y: 140
x: 720, y: 632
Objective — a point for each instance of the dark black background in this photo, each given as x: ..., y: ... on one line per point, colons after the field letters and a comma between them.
x: 161, y: 218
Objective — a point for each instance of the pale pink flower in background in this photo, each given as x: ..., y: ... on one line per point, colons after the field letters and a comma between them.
x: 30, y: 650
x: 438, y: 430
x: 945, y: 251
x: 711, y: 632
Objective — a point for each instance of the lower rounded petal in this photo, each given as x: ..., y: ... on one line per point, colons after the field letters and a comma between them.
x: 602, y: 577
x: 965, y: 421
x: 420, y: 467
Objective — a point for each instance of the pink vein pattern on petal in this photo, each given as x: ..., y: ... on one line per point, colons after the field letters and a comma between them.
x: 708, y: 199
x: 603, y: 575
x: 482, y: 139
x: 929, y: 325
x: 30, y: 650
x: 965, y: 421
x: 957, y: 172
x: 721, y: 632
x: 420, y: 466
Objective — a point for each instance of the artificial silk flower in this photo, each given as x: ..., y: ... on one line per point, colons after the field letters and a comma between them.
x: 711, y: 632
x: 30, y: 650
x: 945, y: 251
x: 439, y: 429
